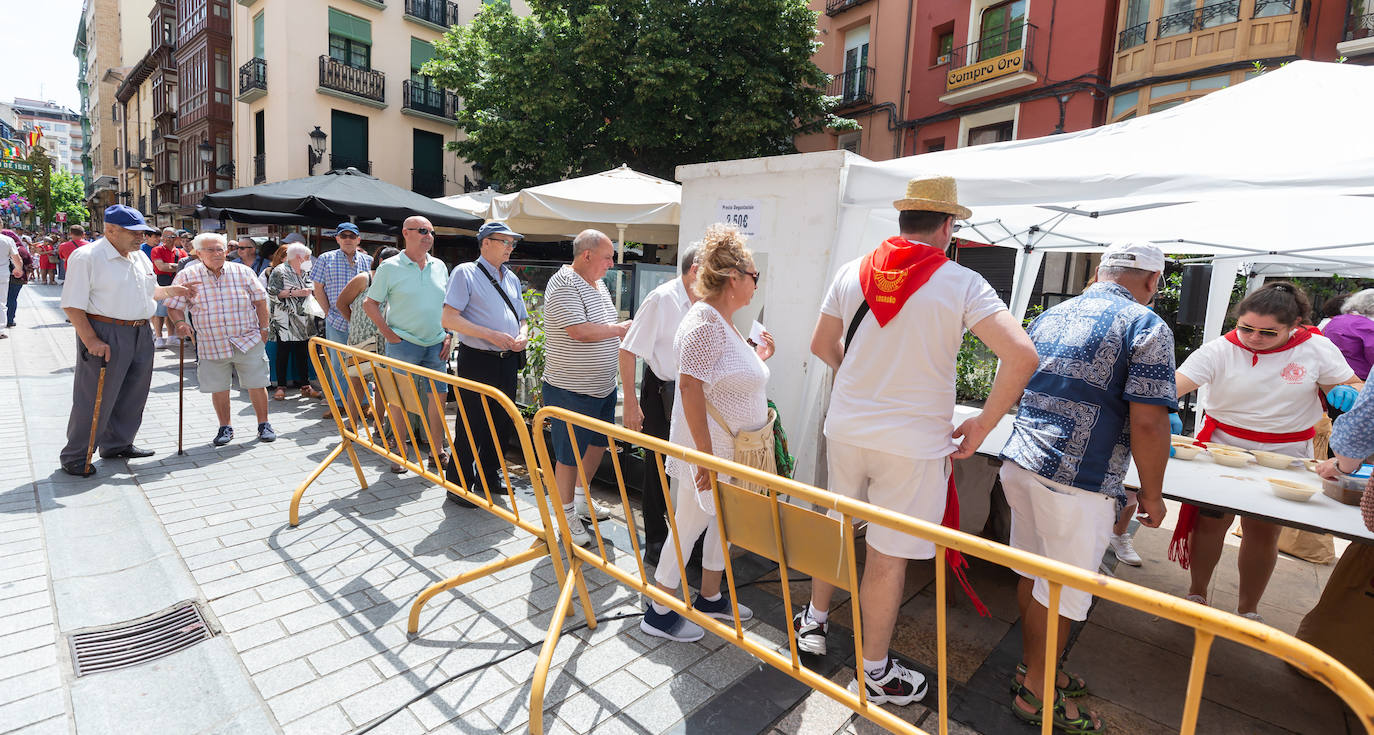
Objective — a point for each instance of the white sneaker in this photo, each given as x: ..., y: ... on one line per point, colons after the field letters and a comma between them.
x: 898, y: 685
x: 603, y: 511
x: 1124, y: 549
x: 578, y: 532
x: 1253, y: 616
x: 159, y: 343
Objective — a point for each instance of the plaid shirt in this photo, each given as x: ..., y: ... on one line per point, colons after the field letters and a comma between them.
x: 335, y: 270
x: 224, y: 310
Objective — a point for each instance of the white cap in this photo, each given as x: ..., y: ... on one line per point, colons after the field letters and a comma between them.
x: 1136, y: 254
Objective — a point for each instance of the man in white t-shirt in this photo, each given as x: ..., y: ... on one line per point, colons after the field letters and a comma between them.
x: 581, y: 357
x: 890, y: 326
x: 651, y: 338
x: 9, y: 250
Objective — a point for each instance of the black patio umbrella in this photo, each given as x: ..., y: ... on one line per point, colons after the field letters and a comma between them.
x: 259, y: 217
x: 339, y: 195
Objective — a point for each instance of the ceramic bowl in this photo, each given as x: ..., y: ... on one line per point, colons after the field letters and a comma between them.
x: 1274, y: 460
x: 1219, y: 445
x: 1311, y: 464
x: 1180, y: 439
x: 1292, y: 490
x: 1185, y: 451
x: 1229, y: 457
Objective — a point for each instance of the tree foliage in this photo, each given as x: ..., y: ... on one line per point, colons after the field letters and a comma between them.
x: 585, y: 85
x: 49, y: 190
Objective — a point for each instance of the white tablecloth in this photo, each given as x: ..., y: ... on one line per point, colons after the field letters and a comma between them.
x: 1242, y: 490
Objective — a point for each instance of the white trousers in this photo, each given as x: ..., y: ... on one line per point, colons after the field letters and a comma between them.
x: 691, y: 522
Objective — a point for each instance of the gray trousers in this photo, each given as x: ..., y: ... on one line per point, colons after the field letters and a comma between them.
x: 127, y: 379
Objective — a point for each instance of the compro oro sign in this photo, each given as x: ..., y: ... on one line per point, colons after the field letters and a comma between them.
x: 982, y: 71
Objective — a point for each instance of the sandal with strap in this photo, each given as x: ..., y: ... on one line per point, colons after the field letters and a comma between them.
x: 1077, y: 687
x: 1085, y: 724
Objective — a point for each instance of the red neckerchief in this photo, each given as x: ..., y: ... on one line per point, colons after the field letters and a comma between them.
x: 893, y: 272
x: 1300, y: 335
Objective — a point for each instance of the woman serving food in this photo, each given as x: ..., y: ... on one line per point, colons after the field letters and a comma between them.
x: 1265, y: 380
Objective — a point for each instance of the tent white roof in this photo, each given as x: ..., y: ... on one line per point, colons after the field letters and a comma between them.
x: 476, y: 203
x: 623, y: 203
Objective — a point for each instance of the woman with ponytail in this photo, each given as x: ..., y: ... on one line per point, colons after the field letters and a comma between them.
x: 1265, y: 383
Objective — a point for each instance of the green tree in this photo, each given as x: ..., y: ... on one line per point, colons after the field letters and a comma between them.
x: 585, y: 85
x: 68, y: 195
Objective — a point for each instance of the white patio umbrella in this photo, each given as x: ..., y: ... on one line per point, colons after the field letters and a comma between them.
x: 635, y: 205
x: 476, y: 203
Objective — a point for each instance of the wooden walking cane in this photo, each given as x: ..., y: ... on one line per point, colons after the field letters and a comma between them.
x: 95, y: 415
x: 181, y: 390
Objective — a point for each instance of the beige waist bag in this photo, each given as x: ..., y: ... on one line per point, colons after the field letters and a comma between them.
x: 753, y: 448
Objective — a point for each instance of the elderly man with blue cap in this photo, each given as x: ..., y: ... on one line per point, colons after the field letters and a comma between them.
x: 484, y: 307
x: 110, y: 294
x: 331, y: 272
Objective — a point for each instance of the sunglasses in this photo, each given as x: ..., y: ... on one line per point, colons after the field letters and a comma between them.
x: 752, y: 274
x: 346, y: 236
x: 1253, y: 330
x: 246, y: 247
x: 421, y: 230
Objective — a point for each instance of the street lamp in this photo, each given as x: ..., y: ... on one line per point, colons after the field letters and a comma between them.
x: 147, y: 175
x: 207, y: 153
x: 315, y: 150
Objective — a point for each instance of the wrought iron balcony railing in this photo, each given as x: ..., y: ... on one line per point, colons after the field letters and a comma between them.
x: 340, y: 77
x: 337, y: 162
x: 1207, y: 16
x: 853, y: 86
x: 1359, y: 26
x: 422, y: 98
x: 253, y: 75
x: 427, y: 183
x: 990, y: 47
x: 835, y: 7
x: 259, y: 168
x: 1271, y: 8
x: 437, y: 12
x: 1133, y: 36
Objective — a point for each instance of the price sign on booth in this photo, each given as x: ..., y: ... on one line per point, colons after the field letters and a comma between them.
x: 746, y: 214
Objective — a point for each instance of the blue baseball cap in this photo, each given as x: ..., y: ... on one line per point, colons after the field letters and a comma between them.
x: 497, y: 228
x: 346, y: 227
x: 126, y: 217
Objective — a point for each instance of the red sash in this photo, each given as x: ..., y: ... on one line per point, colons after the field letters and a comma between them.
x: 957, y: 562
x: 1300, y: 335
x: 893, y: 272
x: 1181, y: 545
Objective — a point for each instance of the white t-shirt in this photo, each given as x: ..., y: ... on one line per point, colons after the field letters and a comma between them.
x: 1276, y: 394
x: 101, y: 281
x: 894, y: 392
x: 712, y: 351
x: 656, y: 322
x: 588, y: 368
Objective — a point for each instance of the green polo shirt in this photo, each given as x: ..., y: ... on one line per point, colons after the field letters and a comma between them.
x: 413, y: 296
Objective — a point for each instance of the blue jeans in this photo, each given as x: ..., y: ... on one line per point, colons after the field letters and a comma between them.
x: 12, y: 302
x: 424, y: 356
x: 597, y: 408
x: 340, y: 387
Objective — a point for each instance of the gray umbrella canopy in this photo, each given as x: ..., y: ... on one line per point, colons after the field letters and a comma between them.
x: 339, y: 195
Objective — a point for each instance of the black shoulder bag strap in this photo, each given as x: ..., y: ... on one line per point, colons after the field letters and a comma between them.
x: 506, y: 299
x: 854, y: 324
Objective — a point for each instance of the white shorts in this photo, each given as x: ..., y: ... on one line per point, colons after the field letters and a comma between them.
x: 251, y: 366
x: 1061, y: 522
x: 913, y: 487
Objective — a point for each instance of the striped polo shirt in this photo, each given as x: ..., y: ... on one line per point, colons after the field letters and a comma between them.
x: 588, y: 368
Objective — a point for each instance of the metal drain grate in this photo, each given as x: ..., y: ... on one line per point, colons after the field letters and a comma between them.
x: 138, y: 642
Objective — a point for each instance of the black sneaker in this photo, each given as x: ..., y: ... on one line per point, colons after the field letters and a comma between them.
x: 898, y: 685
x: 720, y: 609
x: 265, y: 433
x: 810, y: 634
x: 669, y: 625
x: 225, y: 435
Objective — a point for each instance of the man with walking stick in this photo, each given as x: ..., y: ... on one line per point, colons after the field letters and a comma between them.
x: 109, y: 295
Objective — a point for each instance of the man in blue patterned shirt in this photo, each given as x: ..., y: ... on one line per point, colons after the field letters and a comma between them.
x: 1101, y: 396
x: 331, y: 272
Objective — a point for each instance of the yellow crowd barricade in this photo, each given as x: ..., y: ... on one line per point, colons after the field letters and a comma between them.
x: 804, y: 541
x: 366, y: 419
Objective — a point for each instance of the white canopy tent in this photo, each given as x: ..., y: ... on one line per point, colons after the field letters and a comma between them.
x: 630, y: 204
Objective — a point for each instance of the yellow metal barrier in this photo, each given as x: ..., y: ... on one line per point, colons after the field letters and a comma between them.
x: 812, y: 543
x: 365, y: 419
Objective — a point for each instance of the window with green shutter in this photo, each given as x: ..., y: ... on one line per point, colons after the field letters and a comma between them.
x: 420, y: 52
x: 350, y: 39
x: 258, y: 40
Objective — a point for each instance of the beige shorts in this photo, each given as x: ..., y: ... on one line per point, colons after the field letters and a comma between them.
x: 251, y: 366
x: 913, y: 487
x: 1061, y: 522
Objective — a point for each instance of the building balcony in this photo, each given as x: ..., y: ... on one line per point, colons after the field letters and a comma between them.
x: 1218, y: 32
x: 362, y: 85
x: 427, y: 183
x: 253, y: 80
x: 1207, y: 16
x: 422, y: 100
x: 1359, y: 35
x: 259, y: 168
x: 853, y: 87
x: 1133, y: 36
x: 835, y: 7
x: 991, y: 65
x: 338, y: 163
x: 437, y: 14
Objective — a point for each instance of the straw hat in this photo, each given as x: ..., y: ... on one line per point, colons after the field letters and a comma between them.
x: 935, y: 194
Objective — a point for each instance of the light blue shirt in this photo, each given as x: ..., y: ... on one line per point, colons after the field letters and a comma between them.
x: 478, y: 302
x: 414, y: 297
x: 1353, y: 433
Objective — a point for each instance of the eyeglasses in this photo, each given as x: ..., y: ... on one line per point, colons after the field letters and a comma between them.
x: 1253, y: 330
x: 503, y: 241
x: 421, y: 230
x: 247, y: 247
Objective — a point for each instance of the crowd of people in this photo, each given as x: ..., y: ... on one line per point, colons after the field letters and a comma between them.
x: 1092, y: 382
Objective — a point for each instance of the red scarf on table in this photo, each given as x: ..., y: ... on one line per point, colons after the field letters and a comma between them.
x: 1181, y: 545
x: 893, y: 272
